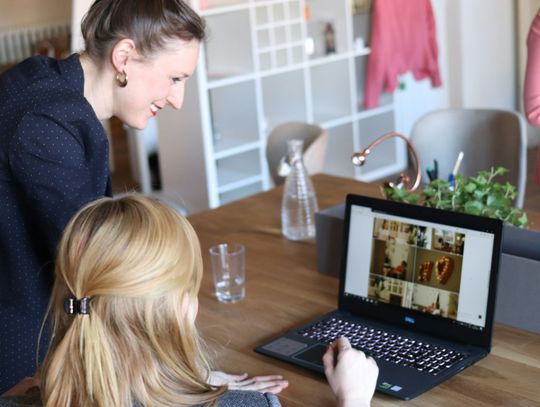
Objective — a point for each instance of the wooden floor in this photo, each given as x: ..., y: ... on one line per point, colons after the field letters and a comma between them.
x: 123, y: 180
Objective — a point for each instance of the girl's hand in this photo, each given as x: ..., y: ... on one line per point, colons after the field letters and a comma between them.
x: 263, y: 384
x: 350, y: 374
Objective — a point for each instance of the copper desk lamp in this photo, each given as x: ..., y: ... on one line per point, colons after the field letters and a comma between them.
x: 359, y: 159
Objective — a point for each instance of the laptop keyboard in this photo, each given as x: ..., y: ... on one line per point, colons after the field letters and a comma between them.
x: 385, y: 346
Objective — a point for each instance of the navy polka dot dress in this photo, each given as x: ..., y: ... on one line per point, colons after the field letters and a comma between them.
x: 53, y: 160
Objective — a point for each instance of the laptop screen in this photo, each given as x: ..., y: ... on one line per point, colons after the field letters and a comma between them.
x: 420, y: 263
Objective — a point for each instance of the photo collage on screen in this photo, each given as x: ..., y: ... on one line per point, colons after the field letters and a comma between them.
x: 416, y: 267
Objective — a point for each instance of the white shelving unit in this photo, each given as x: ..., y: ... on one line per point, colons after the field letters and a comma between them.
x: 266, y: 63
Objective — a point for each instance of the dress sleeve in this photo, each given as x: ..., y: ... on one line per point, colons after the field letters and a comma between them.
x: 433, y: 48
x: 532, y: 74
x: 49, y: 165
x: 273, y: 400
x: 377, y: 66
x: 235, y: 398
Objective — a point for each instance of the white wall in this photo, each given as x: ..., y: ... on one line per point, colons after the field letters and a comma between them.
x: 489, y: 55
x: 14, y: 13
x: 78, y: 10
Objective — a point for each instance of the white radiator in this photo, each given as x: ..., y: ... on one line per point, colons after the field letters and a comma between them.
x: 19, y: 43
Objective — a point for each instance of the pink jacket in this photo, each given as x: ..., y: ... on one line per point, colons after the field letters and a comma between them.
x: 531, y: 91
x: 403, y: 38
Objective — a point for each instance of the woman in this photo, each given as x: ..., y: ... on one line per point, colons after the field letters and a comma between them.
x: 123, y: 308
x: 54, y: 152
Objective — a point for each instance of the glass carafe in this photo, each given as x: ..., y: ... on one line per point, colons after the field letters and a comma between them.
x: 299, y: 202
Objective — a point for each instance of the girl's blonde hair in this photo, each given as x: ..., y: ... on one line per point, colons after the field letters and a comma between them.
x: 140, y: 263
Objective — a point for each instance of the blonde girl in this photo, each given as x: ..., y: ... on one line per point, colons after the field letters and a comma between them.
x: 123, y: 310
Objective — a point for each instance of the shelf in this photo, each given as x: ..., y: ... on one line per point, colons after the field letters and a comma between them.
x: 234, y: 115
x: 283, y: 70
x: 280, y: 47
x: 233, y: 187
x: 282, y: 23
x: 284, y: 98
x: 281, y: 59
x: 340, y: 148
x: 363, y: 51
x: 323, y: 15
x: 330, y: 91
x: 225, y: 44
x: 279, y: 35
x: 270, y: 12
x: 239, y: 193
x: 215, y: 81
x: 331, y: 58
x: 227, y: 148
x: 361, y: 23
x: 328, y: 59
x: 222, y: 6
x: 238, y: 170
x: 364, y: 113
x: 337, y: 122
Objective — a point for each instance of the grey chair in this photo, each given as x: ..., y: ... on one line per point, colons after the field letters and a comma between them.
x: 315, y: 143
x: 487, y: 137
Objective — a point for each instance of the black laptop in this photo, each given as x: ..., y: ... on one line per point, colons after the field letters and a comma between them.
x: 417, y: 293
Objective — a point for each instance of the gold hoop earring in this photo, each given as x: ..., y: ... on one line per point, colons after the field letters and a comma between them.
x: 122, y: 79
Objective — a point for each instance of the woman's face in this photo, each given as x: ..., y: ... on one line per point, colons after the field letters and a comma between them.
x: 155, y: 82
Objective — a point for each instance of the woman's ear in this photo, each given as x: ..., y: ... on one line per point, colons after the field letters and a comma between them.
x: 122, y: 51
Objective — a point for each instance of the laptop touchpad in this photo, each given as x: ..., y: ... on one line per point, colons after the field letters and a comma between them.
x: 313, y: 355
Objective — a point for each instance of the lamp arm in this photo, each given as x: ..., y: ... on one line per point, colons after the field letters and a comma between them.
x: 359, y: 157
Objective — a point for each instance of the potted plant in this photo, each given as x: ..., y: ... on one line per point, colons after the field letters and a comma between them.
x: 478, y: 195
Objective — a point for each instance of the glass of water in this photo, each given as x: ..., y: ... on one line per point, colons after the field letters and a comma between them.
x: 229, y: 271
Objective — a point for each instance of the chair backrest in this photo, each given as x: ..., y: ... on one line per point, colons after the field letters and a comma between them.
x: 315, y: 143
x: 488, y: 138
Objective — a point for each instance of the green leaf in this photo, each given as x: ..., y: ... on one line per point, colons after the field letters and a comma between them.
x: 523, y: 221
x: 474, y: 207
x: 496, y: 201
x: 470, y: 187
x: 500, y: 171
x: 412, y: 199
x: 481, y: 180
x: 429, y: 191
x: 479, y: 194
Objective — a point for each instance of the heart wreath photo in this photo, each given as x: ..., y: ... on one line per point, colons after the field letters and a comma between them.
x: 444, y: 267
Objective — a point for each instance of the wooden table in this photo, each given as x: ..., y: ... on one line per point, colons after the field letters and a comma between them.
x: 284, y: 289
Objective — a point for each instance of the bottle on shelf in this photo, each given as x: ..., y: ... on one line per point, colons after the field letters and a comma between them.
x: 329, y: 39
x: 299, y: 202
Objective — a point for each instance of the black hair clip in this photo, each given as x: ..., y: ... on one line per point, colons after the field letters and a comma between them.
x: 74, y: 306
